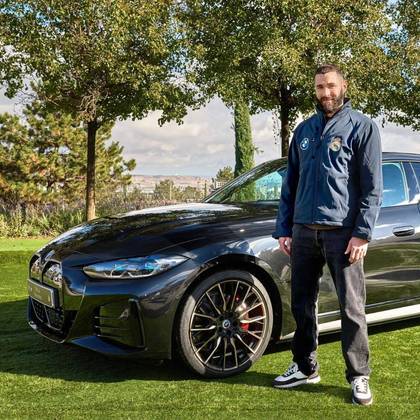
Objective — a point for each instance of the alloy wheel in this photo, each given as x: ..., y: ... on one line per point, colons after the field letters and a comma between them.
x: 228, y: 325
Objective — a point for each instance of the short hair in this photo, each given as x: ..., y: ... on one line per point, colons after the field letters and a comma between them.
x: 327, y: 68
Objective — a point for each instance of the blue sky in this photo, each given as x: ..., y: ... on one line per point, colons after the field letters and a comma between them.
x: 205, y: 142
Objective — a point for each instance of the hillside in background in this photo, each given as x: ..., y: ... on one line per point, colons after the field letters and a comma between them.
x: 146, y: 183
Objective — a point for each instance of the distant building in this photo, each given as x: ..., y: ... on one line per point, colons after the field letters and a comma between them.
x: 217, y: 184
x: 146, y: 183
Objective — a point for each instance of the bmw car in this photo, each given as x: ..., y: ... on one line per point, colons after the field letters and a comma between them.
x: 206, y: 281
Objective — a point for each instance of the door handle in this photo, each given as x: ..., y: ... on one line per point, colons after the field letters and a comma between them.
x: 403, y: 231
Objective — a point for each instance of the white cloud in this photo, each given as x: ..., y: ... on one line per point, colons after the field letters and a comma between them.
x: 216, y: 148
x: 399, y: 139
x: 6, y: 104
x: 207, y: 138
x: 200, y: 146
x: 6, y: 108
x: 167, y: 147
x: 205, y: 142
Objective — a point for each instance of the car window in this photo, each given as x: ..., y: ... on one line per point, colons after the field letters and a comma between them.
x: 413, y: 188
x: 416, y: 167
x: 255, y: 186
x: 262, y: 189
x: 395, y: 186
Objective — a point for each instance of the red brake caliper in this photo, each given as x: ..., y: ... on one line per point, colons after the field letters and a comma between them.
x: 244, y: 326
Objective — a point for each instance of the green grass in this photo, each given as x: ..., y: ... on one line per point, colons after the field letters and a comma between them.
x: 40, y: 379
x: 22, y: 244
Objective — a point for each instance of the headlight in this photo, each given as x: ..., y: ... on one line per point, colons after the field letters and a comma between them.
x: 54, y: 275
x: 36, y: 269
x: 133, y: 268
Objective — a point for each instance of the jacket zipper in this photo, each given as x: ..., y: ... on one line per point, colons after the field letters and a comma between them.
x: 319, y: 146
x: 318, y: 161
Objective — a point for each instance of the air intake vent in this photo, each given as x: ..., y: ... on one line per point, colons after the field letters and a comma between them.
x: 120, y: 322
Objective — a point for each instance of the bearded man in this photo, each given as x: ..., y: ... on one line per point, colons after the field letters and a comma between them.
x: 329, y: 203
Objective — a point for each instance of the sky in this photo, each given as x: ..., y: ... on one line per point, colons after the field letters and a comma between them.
x: 204, y: 143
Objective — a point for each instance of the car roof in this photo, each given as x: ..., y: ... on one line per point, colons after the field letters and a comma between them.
x: 400, y: 156
x: 386, y: 156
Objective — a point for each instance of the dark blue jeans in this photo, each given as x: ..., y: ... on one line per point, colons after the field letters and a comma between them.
x: 311, y: 250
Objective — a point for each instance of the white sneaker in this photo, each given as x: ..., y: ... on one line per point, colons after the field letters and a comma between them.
x: 294, y: 377
x: 360, y: 391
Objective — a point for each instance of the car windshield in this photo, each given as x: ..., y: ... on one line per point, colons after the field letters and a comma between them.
x: 260, y: 184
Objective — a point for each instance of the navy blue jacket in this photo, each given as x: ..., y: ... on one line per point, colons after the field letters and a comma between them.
x: 334, y: 174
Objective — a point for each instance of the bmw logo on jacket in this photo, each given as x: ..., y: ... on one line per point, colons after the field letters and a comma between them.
x: 334, y: 174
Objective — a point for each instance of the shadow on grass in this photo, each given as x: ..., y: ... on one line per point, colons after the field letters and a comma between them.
x: 265, y: 380
x: 24, y: 352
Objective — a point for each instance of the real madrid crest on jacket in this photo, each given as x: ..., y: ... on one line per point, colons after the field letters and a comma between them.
x: 334, y: 174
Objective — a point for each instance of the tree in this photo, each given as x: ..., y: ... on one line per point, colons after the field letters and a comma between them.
x: 190, y: 193
x: 403, y: 43
x: 266, y: 52
x: 166, y: 190
x: 97, y: 60
x: 244, y: 148
x: 43, y: 158
x: 225, y: 174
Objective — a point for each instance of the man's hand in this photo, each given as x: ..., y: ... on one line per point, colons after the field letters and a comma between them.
x: 285, y: 243
x: 357, y: 248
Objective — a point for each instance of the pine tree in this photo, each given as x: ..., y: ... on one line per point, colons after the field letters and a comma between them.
x: 43, y: 158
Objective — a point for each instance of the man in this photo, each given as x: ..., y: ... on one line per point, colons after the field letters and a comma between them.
x: 329, y: 203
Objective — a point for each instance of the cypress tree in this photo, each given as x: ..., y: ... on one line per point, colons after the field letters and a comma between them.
x: 244, y: 148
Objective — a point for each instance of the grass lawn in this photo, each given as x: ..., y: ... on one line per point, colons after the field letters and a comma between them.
x: 23, y: 244
x: 40, y: 379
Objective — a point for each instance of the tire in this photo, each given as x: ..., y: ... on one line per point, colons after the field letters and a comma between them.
x: 225, y: 324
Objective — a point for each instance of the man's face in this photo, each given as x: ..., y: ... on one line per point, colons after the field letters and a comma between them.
x: 330, y: 89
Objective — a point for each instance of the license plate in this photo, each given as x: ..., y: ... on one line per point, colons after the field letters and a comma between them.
x: 41, y: 293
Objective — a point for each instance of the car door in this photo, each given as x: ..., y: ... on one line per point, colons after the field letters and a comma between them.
x: 392, y: 265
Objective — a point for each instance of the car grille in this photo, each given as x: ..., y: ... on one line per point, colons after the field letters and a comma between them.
x: 55, y: 321
x: 54, y: 318
x: 120, y: 322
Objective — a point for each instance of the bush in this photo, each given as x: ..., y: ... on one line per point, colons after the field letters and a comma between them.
x: 36, y: 221
x: 51, y: 220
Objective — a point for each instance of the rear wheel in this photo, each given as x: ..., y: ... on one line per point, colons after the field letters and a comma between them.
x: 225, y: 324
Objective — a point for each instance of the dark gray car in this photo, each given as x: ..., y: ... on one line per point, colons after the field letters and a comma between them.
x: 207, y: 280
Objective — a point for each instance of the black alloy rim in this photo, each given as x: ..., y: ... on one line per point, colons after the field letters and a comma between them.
x: 228, y: 325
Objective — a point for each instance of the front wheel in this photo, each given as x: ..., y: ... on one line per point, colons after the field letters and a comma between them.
x: 225, y: 324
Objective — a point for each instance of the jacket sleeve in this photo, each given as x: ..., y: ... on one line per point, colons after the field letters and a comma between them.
x: 369, y: 158
x: 285, y: 212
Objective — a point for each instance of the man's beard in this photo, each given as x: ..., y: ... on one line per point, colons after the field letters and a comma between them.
x: 332, y: 106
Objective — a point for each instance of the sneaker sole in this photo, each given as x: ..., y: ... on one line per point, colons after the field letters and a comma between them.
x: 355, y: 401
x: 313, y: 380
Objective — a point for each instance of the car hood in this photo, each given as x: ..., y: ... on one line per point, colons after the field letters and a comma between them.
x: 138, y: 233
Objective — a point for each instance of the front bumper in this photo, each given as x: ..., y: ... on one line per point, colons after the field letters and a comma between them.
x: 128, y: 318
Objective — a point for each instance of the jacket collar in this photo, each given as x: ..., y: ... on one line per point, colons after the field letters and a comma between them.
x: 342, y: 111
